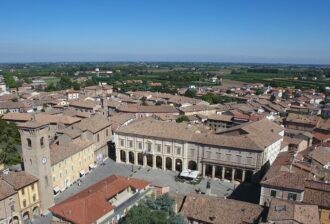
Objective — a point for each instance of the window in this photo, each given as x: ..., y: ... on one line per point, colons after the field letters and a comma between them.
x: 208, y: 154
x: 140, y: 145
x: 192, y: 152
x: 23, y: 191
x: 249, y: 160
x: 121, y: 142
x: 273, y: 193
x: 12, y: 208
x: 238, y: 158
x: 149, y: 146
x: 292, y: 196
x: 42, y: 144
x: 24, y: 203
x: 98, y: 137
x: 29, y: 143
x: 34, y: 198
x: 218, y: 156
x: 228, y: 157
x: 168, y: 149
x: 107, y: 132
x: 178, y: 150
x: 32, y: 186
x: 130, y: 143
x: 159, y: 148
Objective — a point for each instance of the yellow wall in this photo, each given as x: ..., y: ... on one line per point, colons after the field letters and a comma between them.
x: 29, y: 191
x: 325, y: 216
x: 69, y: 168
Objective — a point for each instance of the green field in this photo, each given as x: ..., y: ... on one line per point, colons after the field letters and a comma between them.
x: 277, y: 80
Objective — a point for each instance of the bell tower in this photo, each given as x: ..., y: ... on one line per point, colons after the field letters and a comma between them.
x: 36, y: 158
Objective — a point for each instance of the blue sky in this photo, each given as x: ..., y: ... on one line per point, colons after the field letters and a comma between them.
x: 278, y: 31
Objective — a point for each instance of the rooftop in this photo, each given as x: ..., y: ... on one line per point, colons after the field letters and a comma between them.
x: 93, y: 203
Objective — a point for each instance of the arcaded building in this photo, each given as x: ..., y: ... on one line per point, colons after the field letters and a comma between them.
x: 238, y: 153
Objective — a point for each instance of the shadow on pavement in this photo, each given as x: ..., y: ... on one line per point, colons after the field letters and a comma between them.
x: 248, y: 192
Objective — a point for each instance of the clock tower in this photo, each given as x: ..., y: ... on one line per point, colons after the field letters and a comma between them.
x: 36, y: 159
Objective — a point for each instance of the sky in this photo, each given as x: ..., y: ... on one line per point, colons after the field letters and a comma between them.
x: 264, y: 31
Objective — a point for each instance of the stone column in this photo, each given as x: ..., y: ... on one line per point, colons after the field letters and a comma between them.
x: 233, y: 174
x: 213, y: 171
x: 164, y: 163
x: 117, y: 155
x: 154, y: 161
x: 204, y: 167
x: 223, y: 172
x: 173, y: 164
x: 144, y: 160
x: 135, y: 158
x: 127, y: 157
x: 243, y: 175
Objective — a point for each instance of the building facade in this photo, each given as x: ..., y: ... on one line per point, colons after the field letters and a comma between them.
x: 171, y: 146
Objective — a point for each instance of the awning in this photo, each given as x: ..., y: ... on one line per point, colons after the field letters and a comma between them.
x: 82, y: 172
x: 190, y: 173
x: 92, y: 166
x: 56, y: 190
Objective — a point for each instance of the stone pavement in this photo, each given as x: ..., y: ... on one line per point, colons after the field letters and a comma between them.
x: 157, y: 177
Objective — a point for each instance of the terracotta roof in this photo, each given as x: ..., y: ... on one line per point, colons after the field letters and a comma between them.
x: 62, y: 151
x: 18, y: 179
x: 317, y: 193
x: 219, y: 210
x: 135, y: 108
x: 93, y: 203
x: 196, y: 108
x: 41, y: 118
x: 284, y: 211
x: 321, y: 154
x: 259, y: 135
x: 279, y: 174
x: 6, y: 190
x: 304, y: 119
x: 93, y: 124
x: 286, y: 180
x: 84, y: 104
x: 12, y: 105
x: 217, y: 117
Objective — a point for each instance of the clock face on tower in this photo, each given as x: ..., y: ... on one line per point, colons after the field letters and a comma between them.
x: 44, y: 160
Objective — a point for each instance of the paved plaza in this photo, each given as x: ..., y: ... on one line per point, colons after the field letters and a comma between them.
x: 157, y: 177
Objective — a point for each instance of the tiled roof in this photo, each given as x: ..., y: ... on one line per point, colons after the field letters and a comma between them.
x: 135, y: 108
x: 317, y: 193
x: 18, y: 179
x: 321, y: 154
x: 259, y: 135
x: 62, y: 151
x: 93, y: 124
x: 219, y: 210
x: 92, y: 203
x: 283, y: 211
x: 6, y: 189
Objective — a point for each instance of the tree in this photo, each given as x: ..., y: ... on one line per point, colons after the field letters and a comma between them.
x: 272, y: 98
x: 259, y: 91
x: 76, y: 85
x: 9, y: 140
x: 153, y: 211
x: 144, y: 99
x: 182, y: 119
x: 190, y: 93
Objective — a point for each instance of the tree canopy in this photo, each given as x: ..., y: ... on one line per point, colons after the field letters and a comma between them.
x: 9, y: 140
x: 153, y: 211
